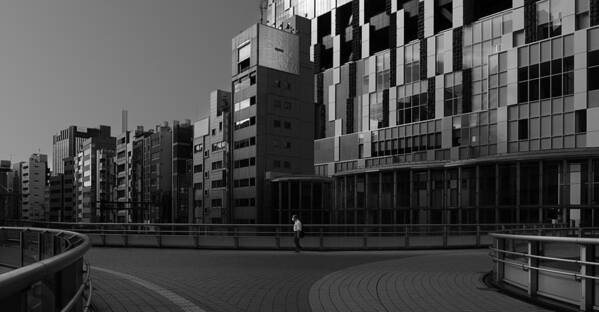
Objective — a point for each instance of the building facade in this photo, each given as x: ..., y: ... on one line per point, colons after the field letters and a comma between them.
x: 463, y: 111
x: 182, y: 172
x: 211, y: 162
x: 67, y: 143
x: 9, y: 203
x: 272, y: 113
x: 94, y: 181
x: 33, y: 180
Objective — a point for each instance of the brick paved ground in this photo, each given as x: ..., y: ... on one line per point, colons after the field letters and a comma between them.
x: 285, y: 281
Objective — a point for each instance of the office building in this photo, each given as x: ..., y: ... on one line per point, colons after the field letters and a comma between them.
x: 140, y: 181
x: 33, y: 179
x: 162, y: 174
x: 272, y: 114
x: 9, y: 203
x: 211, y: 159
x: 182, y: 172
x: 67, y: 143
x: 123, y: 162
x: 448, y: 112
x: 94, y: 181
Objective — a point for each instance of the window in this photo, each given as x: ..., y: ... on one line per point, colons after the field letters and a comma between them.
x: 246, y: 162
x: 243, y: 57
x: 197, y: 168
x: 582, y: 14
x: 277, y: 123
x: 219, y: 146
x: 217, y: 165
x: 242, y: 104
x: 580, y: 121
x: 412, y: 63
x: 245, y: 143
x: 287, y: 125
x: 287, y: 165
x: 549, y: 18
x: 217, y: 202
x: 413, y: 103
x: 523, y: 129
x: 382, y: 71
x: 276, y: 164
x: 245, y: 123
x: 453, y: 95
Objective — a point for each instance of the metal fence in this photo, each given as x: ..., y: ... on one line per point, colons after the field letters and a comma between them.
x: 43, y: 270
x: 278, y: 236
x: 558, y: 266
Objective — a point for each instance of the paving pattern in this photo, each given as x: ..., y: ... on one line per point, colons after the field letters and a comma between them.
x: 201, y: 280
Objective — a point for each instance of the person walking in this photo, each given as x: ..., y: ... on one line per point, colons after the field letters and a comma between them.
x: 297, y: 232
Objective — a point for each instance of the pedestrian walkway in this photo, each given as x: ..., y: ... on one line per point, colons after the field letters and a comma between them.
x: 200, y: 280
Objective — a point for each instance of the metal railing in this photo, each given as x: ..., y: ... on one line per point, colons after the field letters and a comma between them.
x: 280, y: 236
x: 45, y: 270
x: 556, y: 266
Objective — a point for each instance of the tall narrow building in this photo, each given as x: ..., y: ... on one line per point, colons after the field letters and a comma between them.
x: 94, y: 183
x: 272, y: 106
x: 211, y: 160
x: 33, y: 179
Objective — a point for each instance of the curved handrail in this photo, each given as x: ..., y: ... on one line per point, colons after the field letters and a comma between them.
x: 554, y: 239
x: 582, y: 269
x: 18, y: 279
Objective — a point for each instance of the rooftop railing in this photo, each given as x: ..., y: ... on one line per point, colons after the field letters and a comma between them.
x: 556, y: 266
x: 280, y: 236
x: 43, y: 270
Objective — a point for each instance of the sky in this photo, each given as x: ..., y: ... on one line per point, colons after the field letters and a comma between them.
x: 80, y: 62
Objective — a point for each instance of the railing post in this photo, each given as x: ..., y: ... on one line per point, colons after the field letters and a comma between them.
x: 277, y: 238
x: 587, y: 253
x: 103, y: 236
x: 40, y: 251
x: 499, y: 264
x: 477, y: 235
x: 159, y: 236
x: 407, y: 234
x: 236, y: 237
x: 196, y: 236
x: 445, y: 236
x: 533, y: 273
x: 22, y: 248
x: 321, y: 239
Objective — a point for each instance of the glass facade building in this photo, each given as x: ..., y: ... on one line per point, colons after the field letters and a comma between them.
x: 462, y: 111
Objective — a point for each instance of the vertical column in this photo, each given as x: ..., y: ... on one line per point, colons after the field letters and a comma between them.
x: 280, y: 203
x: 518, y: 192
x: 477, y: 194
x: 428, y: 195
x: 345, y: 212
x: 496, y: 193
x: 541, y: 217
x: 587, y: 254
x: 459, y: 203
x: 563, y: 193
x: 300, y: 206
x: 590, y: 190
x: 311, y: 206
x: 533, y: 274
x: 395, y: 196
x: 366, y: 212
x: 411, y: 196
x: 380, y: 206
